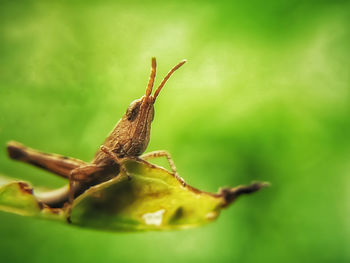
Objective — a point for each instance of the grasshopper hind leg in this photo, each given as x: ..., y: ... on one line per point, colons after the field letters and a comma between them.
x: 54, y: 163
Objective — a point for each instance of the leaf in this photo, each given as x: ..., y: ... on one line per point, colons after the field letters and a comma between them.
x: 153, y: 199
x: 17, y: 197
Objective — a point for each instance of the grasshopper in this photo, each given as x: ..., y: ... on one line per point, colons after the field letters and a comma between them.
x: 127, y: 141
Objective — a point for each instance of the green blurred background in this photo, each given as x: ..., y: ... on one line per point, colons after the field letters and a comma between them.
x: 265, y: 96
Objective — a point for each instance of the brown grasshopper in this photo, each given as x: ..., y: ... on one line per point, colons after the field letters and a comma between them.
x: 127, y: 141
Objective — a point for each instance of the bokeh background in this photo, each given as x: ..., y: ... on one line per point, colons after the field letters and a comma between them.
x: 264, y: 96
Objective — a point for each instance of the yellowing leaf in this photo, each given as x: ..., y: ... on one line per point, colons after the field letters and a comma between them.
x: 152, y: 199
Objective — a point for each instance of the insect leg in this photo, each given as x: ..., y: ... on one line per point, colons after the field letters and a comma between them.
x: 115, y: 158
x: 163, y: 153
x: 158, y: 154
x: 57, y: 164
x: 83, y: 173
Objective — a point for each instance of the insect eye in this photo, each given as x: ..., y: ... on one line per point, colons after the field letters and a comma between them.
x: 133, y: 110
